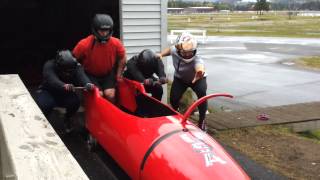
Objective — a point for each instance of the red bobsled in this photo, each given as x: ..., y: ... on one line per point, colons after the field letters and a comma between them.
x: 150, y: 140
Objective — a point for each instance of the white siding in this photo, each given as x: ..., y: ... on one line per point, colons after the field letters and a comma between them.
x: 139, y: 7
x: 143, y: 25
x: 141, y: 22
x: 144, y: 35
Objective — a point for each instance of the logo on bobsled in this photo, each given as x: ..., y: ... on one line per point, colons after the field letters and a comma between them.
x: 199, y: 146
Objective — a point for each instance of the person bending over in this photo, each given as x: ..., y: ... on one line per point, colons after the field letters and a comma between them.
x: 60, y: 76
x: 143, y: 67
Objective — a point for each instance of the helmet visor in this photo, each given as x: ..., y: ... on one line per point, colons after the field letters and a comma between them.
x: 104, y: 32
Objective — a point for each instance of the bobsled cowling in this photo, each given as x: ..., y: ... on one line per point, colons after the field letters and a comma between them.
x: 149, y: 141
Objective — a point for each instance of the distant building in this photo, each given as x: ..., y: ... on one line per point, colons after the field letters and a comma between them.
x: 199, y: 10
x: 308, y: 13
x: 175, y: 10
x: 225, y: 11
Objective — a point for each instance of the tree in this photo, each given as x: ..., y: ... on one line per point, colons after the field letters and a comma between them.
x: 261, y: 5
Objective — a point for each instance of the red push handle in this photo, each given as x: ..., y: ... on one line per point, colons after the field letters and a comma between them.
x: 199, y: 101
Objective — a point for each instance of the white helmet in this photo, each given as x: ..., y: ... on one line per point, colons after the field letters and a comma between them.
x: 186, y: 46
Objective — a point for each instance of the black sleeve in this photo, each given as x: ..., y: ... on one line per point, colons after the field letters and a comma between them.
x: 133, y: 70
x: 51, y: 77
x: 81, y: 77
x: 160, y: 69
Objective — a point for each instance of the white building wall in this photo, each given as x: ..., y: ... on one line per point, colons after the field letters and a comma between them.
x: 143, y: 25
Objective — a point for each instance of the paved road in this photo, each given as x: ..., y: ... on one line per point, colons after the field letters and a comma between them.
x: 250, y: 68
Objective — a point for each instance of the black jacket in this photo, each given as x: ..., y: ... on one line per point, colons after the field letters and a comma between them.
x: 53, y: 79
x: 134, y: 72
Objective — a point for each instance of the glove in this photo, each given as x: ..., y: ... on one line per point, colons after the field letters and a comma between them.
x: 163, y: 80
x: 148, y: 82
x: 89, y: 86
x: 69, y: 87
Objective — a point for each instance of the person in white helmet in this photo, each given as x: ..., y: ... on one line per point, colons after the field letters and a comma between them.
x: 189, y: 72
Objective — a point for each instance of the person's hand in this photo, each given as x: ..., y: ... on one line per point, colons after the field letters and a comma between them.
x: 89, y: 86
x: 198, y: 75
x: 148, y: 82
x: 69, y: 87
x: 163, y: 80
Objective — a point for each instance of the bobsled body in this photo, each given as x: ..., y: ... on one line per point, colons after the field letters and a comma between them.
x: 147, y: 139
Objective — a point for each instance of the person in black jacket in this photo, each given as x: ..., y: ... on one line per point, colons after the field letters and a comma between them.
x: 60, y: 76
x: 142, y: 68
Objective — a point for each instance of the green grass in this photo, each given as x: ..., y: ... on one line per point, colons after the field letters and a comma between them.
x: 311, y: 134
x: 316, y: 134
x: 311, y: 62
x: 249, y: 24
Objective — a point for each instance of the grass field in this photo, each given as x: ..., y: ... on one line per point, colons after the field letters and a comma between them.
x: 312, y: 62
x: 312, y: 134
x: 275, y: 24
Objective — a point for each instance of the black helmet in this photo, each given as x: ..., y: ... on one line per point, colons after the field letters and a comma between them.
x: 65, y: 61
x: 102, y: 22
x: 147, y: 58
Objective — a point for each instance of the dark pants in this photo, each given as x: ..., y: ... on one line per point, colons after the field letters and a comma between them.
x: 48, y: 100
x: 155, y: 90
x: 199, y: 87
x: 107, y: 81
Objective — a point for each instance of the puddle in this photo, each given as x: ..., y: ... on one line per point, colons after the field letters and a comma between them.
x: 289, y: 63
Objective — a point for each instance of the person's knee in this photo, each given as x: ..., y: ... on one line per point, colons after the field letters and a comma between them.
x: 201, y: 89
x: 46, y: 108
x: 110, y: 94
x: 46, y: 104
x: 201, y: 93
x: 73, y: 103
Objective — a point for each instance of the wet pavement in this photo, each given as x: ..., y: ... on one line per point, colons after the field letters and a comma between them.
x: 251, y: 69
